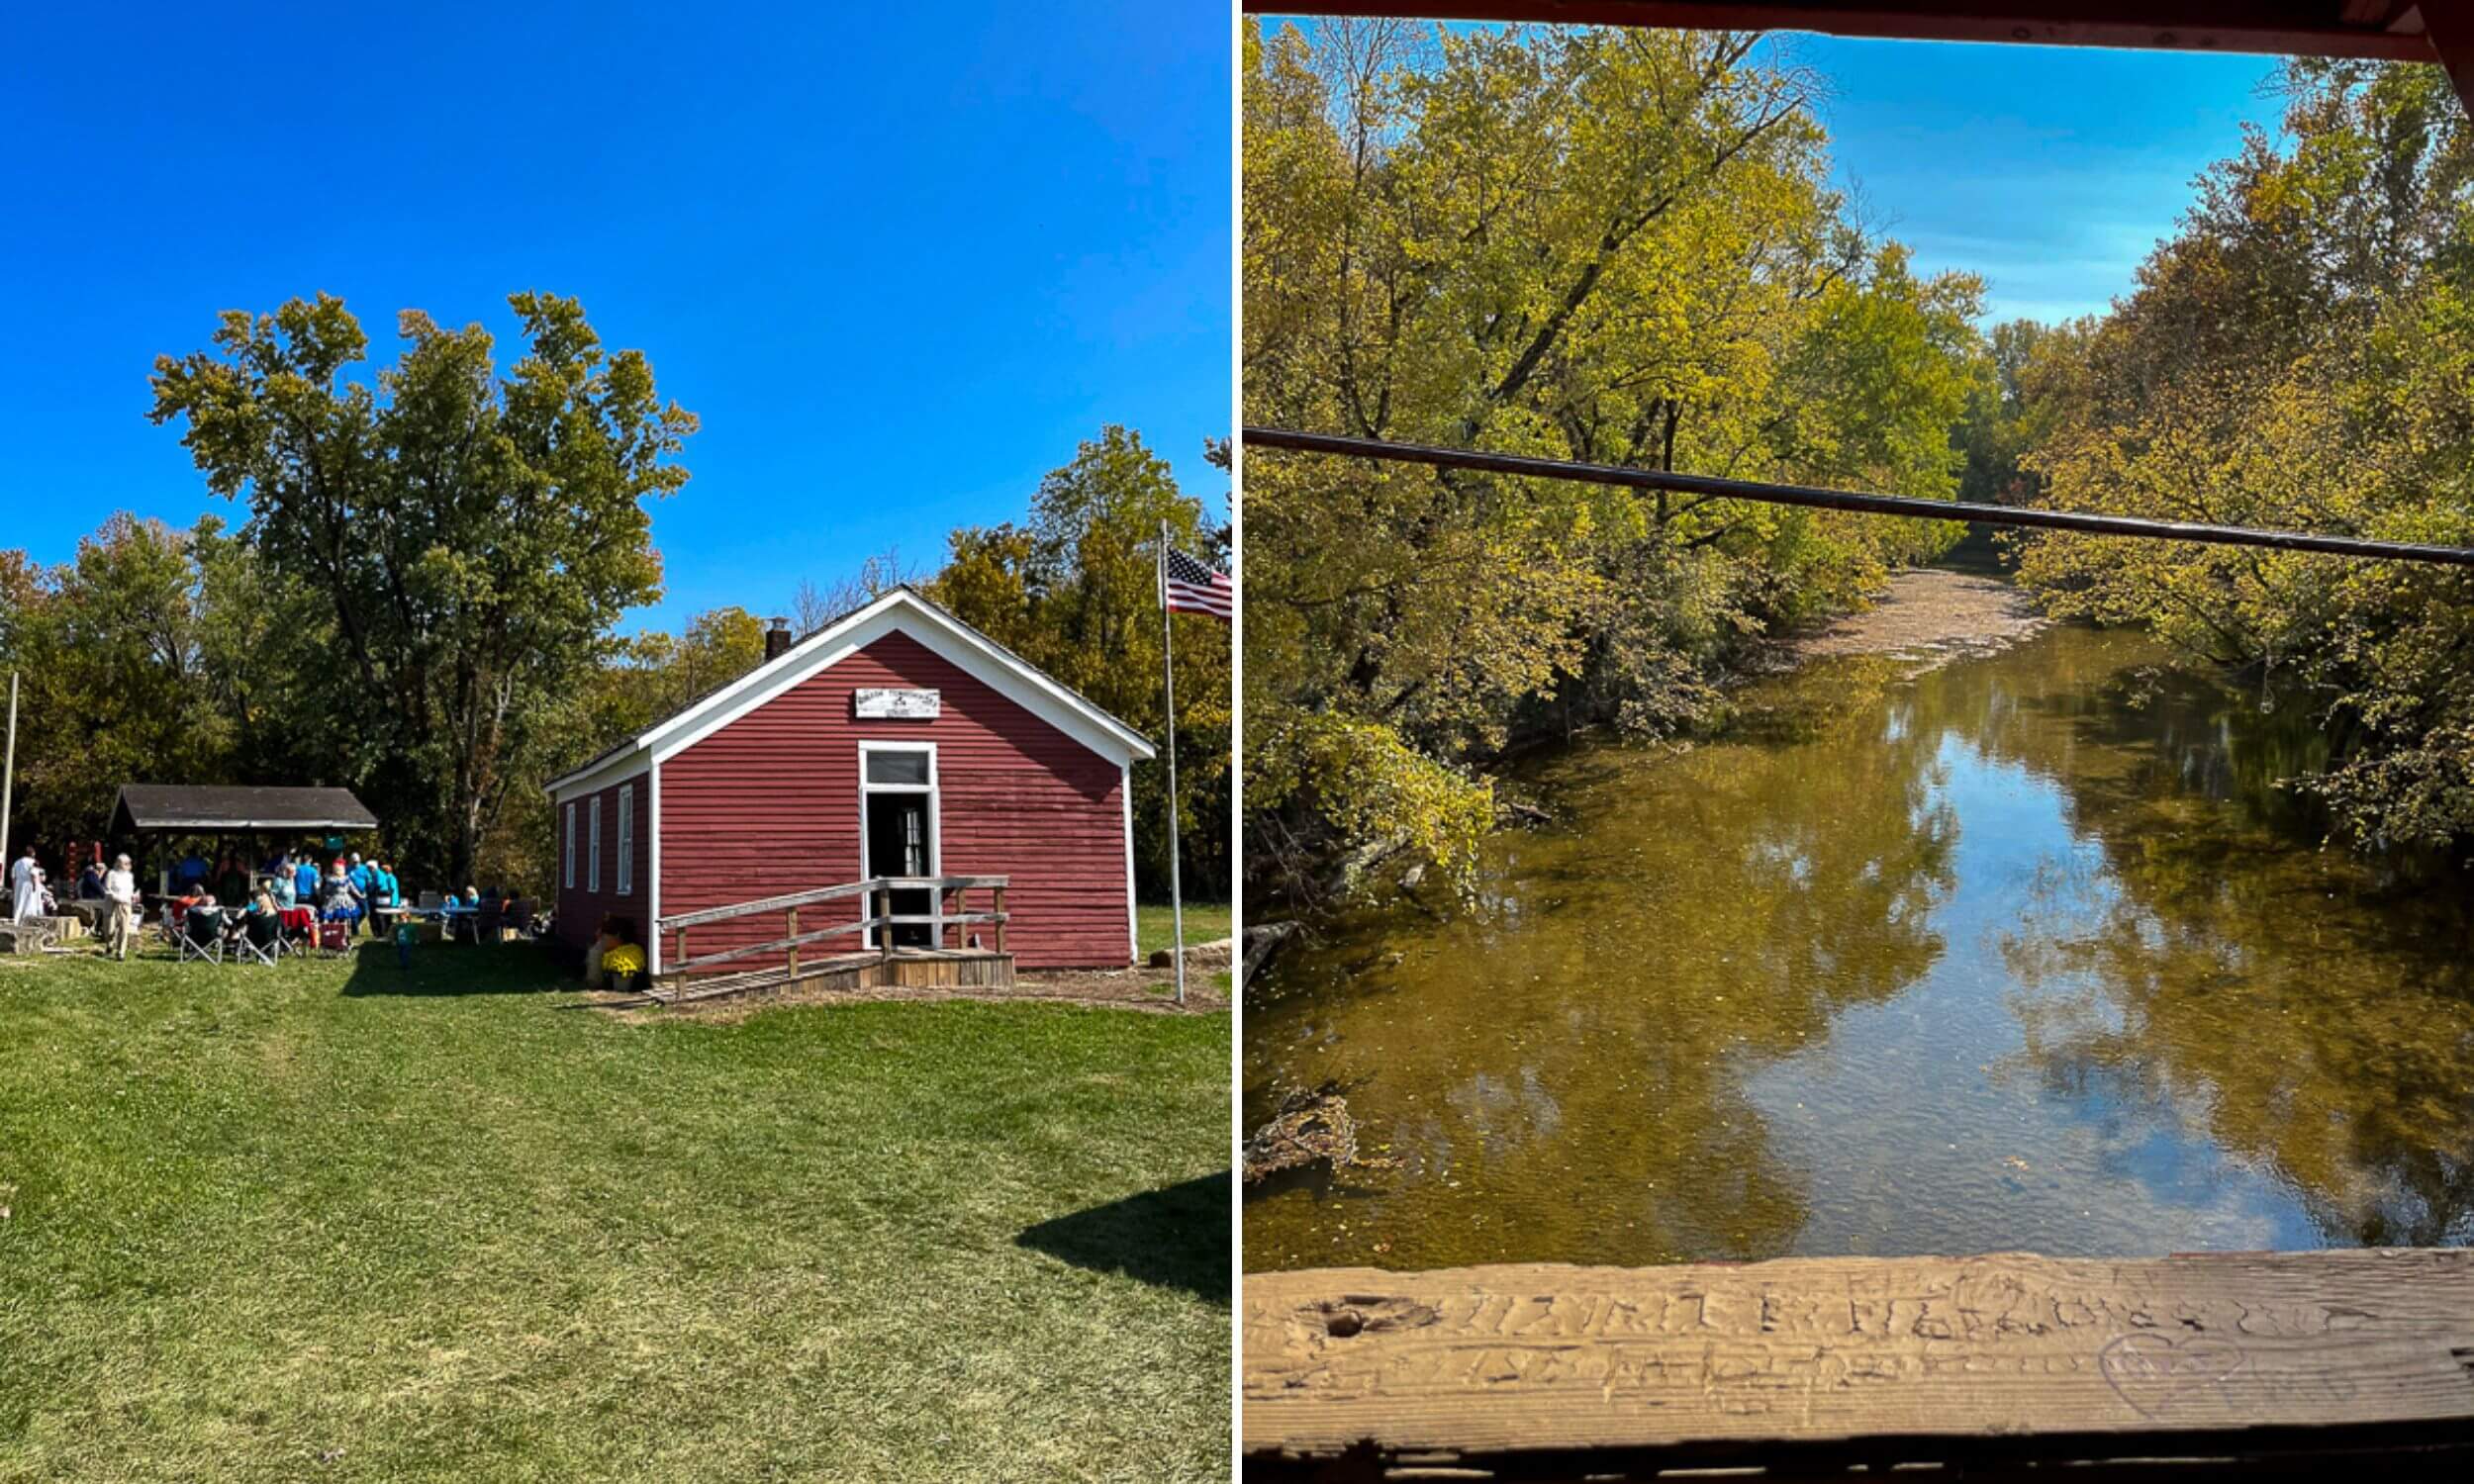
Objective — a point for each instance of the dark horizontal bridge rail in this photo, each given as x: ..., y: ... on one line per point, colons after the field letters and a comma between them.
x: 1810, y: 497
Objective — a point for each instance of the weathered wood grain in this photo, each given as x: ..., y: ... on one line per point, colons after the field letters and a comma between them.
x: 1462, y: 1364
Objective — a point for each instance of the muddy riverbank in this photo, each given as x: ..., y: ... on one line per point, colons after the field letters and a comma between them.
x: 1926, y: 615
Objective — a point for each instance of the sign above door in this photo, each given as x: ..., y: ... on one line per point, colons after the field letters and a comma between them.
x: 874, y: 703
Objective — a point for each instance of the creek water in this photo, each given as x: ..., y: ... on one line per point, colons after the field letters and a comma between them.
x: 2025, y: 952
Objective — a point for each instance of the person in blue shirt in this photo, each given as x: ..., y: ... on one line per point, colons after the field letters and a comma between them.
x: 192, y: 868
x: 283, y: 883
x: 359, y: 875
x: 381, y: 887
x: 304, y: 880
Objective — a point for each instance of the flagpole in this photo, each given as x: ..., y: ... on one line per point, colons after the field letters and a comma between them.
x: 1168, y: 672
x: 8, y: 774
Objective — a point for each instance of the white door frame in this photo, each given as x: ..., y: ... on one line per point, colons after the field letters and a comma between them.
x: 936, y: 823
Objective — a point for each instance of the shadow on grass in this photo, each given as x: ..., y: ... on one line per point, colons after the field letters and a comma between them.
x: 451, y: 969
x: 1176, y: 1236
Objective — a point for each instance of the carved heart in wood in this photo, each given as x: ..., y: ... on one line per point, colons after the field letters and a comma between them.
x: 2154, y: 1372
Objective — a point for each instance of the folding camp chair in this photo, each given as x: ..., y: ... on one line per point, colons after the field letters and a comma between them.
x: 261, y: 939
x: 202, y: 934
x: 334, y: 937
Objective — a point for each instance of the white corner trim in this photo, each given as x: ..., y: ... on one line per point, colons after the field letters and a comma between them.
x: 652, y: 868
x: 1133, y: 919
x: 957, y: 643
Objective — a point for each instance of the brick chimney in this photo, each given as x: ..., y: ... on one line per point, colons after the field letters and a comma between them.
x: 777, y: 638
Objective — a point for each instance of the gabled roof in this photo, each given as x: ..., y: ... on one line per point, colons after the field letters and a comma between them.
x: 205, y: 807
x: 900, y: 610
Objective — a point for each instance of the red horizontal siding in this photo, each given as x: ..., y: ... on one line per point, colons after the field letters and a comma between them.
x: 770, y: 805
x: 581, y: 909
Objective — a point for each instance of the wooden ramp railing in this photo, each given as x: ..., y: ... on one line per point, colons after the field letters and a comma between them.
x: 876, y: 889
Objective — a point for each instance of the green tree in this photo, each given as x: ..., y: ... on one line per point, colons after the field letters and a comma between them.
x: 2298, y: 357
x: 473, y: 538
x: 1074, y: 590
x: 1612, y: 245
x: 135, y: 664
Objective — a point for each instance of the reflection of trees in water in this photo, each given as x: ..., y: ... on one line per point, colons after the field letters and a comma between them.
x: 2310, y: 1011
x: 1573, y: 1049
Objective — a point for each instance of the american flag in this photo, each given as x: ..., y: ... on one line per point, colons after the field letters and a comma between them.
x: 1193, y: 588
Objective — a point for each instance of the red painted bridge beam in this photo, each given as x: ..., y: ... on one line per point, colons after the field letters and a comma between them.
x: 2440, y: 31
x: 2449, y: 25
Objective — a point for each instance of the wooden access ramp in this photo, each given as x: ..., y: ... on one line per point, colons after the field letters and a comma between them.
x: 884, y: 964
x: 1999, y: 1367
x: 902, y: 969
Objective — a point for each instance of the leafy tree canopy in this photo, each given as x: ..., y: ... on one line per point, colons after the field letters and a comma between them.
x: 467, y: 540
x: 1619, y: 247
x: 2299, y: 356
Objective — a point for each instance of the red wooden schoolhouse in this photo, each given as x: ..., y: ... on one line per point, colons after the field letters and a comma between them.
x: 896, y: 741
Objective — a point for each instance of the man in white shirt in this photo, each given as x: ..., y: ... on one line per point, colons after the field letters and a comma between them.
x: 119, y: 886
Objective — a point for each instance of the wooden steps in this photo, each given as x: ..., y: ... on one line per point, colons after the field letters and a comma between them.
x: 1806, y: 1368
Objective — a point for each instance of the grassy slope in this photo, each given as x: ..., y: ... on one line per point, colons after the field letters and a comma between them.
x: 1205, y: 922
x: 370, y: 1224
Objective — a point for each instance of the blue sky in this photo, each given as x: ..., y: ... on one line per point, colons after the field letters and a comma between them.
x: 2050, y: 170
x: 899, y: 265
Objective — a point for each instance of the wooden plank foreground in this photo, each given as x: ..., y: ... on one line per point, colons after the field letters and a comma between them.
x: 1547, y: 1371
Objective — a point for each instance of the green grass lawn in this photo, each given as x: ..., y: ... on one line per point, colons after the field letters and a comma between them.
x: 1205, y: 922
x: 352, y: 1221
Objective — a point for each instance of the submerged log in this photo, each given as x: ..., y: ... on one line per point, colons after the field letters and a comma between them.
x: 1262, y: 941
x: 1312, y: 1125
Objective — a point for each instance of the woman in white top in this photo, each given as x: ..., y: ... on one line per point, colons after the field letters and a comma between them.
x: 119, y: 886
x: 26, y: 885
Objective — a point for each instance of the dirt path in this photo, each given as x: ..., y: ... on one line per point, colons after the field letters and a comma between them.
x: 1928, y: 613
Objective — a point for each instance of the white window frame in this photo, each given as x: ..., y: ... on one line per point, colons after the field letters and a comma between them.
x: 936, y: 825
x: 627, y: 839
x: 593, y: 851
x: 571, y: 845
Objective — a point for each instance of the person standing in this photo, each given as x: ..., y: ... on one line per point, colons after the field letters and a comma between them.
x: 119, y: 888
x: 304, y: 880
x: 231, y: 884
x: 338, y: 901
x: 26, y: 887
x: 359, y: 876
